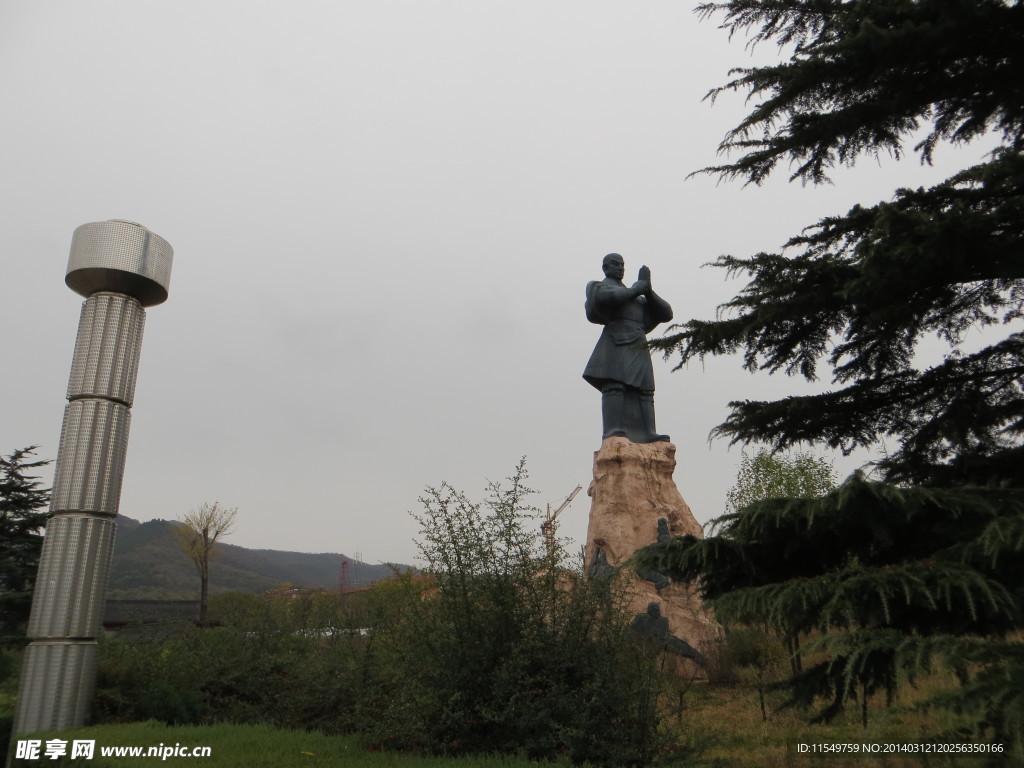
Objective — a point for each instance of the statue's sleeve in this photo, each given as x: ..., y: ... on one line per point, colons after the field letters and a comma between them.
x: 657, y: 311
x: 594, y: 313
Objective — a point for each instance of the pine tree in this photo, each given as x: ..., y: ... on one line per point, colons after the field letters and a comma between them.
x: 923, y: 568
x: 890, y: 578
x: 858, y: 292
x: 21, y: 525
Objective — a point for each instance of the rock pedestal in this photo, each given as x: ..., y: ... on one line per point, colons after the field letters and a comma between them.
x: 631, y: 492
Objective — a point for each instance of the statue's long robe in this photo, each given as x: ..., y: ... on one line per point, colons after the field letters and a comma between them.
x: 621, y: 353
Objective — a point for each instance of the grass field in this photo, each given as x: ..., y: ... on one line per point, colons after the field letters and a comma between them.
x: 247, y: 746
x: 733, y: 733
x: 723, y: 722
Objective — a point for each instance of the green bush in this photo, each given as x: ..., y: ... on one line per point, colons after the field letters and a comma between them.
x: 261, y: 666
x: 507, y: 648
x: 500, y: 647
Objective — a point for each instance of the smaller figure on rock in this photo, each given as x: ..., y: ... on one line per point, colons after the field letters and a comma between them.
x: 653, y: 627
x: 663, y: 533
x: 620, y: 366
x: 659, y: 579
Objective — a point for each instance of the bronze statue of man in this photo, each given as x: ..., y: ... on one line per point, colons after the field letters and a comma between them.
x: 620, y: 366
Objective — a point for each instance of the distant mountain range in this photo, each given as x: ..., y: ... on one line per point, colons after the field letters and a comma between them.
x: 149, y: 565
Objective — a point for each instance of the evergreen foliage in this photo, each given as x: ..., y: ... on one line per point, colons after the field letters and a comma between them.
x: 21, y: 526
x: 859, y: 291
x: 926, y: 569
x: 891, y: 580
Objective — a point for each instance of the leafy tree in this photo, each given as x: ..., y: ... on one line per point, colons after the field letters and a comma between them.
x: 756, y: 650
x: 197, y: 536
x: 769, y: 476
x: 925, y: 568
x: 21, y: 525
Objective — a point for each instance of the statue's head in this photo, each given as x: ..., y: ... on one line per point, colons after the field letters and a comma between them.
x: 614, y: 266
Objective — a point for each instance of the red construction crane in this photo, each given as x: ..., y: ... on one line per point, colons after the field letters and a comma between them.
x: 548, y: 526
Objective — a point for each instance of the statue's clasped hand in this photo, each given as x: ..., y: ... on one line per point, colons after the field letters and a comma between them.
x: 643, y: 284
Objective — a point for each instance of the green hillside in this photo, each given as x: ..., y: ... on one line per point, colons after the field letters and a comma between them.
x: 148, y: 565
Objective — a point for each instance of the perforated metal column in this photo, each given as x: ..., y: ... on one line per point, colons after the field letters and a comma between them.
x: 120, y: 267
x: 57, y: 683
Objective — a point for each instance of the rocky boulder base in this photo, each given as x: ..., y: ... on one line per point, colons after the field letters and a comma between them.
x: 631, y: 492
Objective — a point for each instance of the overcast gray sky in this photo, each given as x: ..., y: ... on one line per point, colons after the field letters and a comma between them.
x: 384, y: 215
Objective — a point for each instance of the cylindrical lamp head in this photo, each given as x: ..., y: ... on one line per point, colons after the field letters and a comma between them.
x: 122, y: 257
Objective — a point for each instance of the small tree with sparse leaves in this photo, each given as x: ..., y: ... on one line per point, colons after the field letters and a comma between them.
x: 197, y: 536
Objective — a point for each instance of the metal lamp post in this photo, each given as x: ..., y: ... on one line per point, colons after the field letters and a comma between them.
x: 120, y: 267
